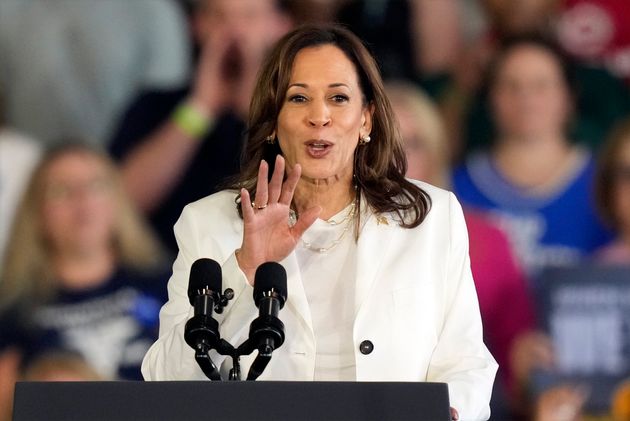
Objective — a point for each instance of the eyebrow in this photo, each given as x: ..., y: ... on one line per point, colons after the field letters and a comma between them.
x: 332, y: 85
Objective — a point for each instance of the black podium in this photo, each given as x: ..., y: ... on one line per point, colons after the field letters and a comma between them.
x: 231, y: 401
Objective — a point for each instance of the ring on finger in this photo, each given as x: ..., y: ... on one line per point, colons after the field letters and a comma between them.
x: 255, y: 206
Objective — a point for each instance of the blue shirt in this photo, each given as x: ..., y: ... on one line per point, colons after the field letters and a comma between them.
x: 553, y: 229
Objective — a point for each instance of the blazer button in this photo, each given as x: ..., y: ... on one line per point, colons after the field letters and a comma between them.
x: 366, y: 347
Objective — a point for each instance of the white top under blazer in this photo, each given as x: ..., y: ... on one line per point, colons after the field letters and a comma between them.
x: 415, y: 302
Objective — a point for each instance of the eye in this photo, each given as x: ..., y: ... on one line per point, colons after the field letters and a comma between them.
x: 297, y: 98
x: 340, y: 98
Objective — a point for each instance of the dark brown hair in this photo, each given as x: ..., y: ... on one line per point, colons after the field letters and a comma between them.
x: 605, y: 174
x: 379, y: 166
x: 507, y: 46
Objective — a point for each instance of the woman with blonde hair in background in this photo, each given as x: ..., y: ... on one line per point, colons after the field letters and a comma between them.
x: 82, y: 272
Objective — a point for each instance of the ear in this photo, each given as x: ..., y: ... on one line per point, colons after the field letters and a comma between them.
x: 366, y: 120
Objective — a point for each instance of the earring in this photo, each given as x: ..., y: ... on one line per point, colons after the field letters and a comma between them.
x: 365, y: 139
x: 271, y: 139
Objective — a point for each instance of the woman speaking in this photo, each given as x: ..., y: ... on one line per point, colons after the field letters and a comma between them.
x: 378, y: 273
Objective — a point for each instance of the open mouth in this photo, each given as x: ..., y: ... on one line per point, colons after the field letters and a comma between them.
x: 318, y: 148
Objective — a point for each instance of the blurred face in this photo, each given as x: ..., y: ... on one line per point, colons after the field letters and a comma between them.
x: 323, y: 115
x: 254, y: 22
x: 419, y: 165
x: 530, y: 97
x: 78, y: 204
x: 621, y: 190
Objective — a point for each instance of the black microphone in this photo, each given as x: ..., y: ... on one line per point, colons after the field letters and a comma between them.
x: 266, y: 333
x: 202, y: 330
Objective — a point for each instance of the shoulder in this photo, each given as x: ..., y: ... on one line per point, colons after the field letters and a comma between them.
x: 441, y: 204
x: 150, y: 282
x: 217, y: 202
x: 215, y: 210
x: 440, y: 198
x: 431, y: 190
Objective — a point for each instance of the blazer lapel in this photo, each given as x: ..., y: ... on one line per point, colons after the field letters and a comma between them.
x: 374, y: 240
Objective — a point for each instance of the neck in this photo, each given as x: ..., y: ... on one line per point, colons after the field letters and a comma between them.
x: 530, y: 162
x: 84, y: 269
x: 332, y: 195
x: 535, y: 143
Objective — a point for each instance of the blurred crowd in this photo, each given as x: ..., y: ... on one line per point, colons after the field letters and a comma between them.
x: 116, y: 114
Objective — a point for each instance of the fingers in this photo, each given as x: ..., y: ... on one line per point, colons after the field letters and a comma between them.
x: 246, y: 207
x: 262, y: 197
x: 454, y: 414
x: 305, y: 221
x: 561, y: 403
x: 541, y: 348
x: 275, y: 186
x: 531, y: 350
x: 275, y: 190
x: 288, y: 188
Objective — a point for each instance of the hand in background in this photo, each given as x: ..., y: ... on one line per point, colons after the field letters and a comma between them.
x: 212, y: 89
x: 561, y: 403
x: 530, y: 351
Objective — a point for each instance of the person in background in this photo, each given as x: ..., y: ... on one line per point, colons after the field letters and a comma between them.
x: 613, y: 194
x: 602, y: 99
x: 69, y: 68
x: 534, y: 181
x: 82, y: 271
x: 504, y: 300
x: 177, y: 146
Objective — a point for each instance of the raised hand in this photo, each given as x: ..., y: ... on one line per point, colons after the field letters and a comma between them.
x: 267, y: 235
x: 211, y: 90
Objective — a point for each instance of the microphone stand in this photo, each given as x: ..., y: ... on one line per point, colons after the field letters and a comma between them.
x: 202, y: 351
x: 202, y: 356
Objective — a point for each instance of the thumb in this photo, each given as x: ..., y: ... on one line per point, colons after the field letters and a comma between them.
x: 306, y: 220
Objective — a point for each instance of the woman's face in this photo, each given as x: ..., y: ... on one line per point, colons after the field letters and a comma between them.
x: 621, y: 191
x: 78, y: 207
x: 530, y: 96
x: 323, y: 115
x: 418, y: 152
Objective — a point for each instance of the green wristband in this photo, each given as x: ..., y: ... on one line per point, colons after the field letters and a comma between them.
x: 190, y: 120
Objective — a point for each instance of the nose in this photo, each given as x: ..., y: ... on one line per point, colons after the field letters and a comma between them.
x: 318, y: 114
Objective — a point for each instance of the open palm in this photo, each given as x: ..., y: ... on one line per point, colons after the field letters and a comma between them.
x: 267, y: 235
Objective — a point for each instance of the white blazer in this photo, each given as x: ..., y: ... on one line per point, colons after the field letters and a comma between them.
x: 416, y: 303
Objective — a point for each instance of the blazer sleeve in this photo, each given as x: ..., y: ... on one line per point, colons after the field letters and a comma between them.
x: 170, y: 357
x: 460, y: 358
